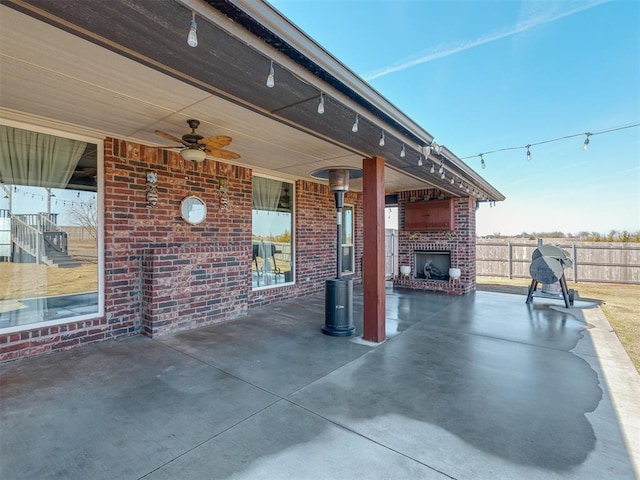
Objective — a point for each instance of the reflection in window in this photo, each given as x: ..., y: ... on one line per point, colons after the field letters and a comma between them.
x: 48, y: 228
x: 347, y: 240
x: 272, y: 242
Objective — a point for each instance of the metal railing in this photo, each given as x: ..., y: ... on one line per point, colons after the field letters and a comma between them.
x: 606, y: 263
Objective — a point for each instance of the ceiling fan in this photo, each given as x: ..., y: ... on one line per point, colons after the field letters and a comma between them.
x: 198, y: 147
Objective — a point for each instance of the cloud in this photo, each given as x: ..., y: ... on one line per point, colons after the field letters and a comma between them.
x: 553, y: 11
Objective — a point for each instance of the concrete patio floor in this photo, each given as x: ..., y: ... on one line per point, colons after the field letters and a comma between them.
x: 473, y: 387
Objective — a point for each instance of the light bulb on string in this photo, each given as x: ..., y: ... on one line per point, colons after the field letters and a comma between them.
x: 460, y: 186
x: 381, y: 142
x: 441, y: 169
x: 433, y: 168
x: 443, y: 175
x: 354, y: 128
x: 420, y: 161
x: 192, y: 38
x: 452, y: 180
x: 403, y: 153
x: 484, y: 165
x: 271, y: 80
x: 321, y: 104
x: 528, y: 153
x: 585, y: 145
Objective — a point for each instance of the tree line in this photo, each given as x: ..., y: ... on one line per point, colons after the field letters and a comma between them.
x: 612, y: 236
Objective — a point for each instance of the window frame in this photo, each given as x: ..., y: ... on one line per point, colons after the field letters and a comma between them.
x: 99, y: 142
x: 292, y: 232
x: 350, y: 207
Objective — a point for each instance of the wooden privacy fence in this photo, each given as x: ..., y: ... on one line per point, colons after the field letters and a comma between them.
x: 600, y: 262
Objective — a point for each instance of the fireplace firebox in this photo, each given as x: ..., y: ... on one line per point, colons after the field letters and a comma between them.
x: 432, y: 264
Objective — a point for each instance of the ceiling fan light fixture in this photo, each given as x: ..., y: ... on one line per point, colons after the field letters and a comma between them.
x: 193, y: 154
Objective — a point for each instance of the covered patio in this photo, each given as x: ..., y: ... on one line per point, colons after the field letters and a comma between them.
x: 120, y: 86
x: 465, y: 387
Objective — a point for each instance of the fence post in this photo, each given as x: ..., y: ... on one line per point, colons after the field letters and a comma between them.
x: 510, y: 260
x: 574, y: 252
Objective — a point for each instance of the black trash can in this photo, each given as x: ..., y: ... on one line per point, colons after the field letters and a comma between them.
x: 338, y: 308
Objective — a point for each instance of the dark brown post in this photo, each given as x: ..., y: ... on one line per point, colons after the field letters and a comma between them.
x: 373, y: 255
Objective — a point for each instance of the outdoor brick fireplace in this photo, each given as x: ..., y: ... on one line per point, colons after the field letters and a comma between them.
x: 440, y: 248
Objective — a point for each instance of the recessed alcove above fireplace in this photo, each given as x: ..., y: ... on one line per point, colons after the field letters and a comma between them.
x: 432, y: 264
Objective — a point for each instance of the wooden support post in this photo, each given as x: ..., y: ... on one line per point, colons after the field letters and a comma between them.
x: 373, y: 275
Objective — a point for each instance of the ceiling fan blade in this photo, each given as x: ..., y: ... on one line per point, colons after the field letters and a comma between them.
x: 224, y: 154
x: 215, y: 141
x: 171, y: 137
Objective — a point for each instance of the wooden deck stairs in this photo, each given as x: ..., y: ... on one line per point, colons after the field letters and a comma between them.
x: 37, y: 238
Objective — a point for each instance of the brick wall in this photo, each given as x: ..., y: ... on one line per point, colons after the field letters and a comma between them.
x: 460, y: 242
x: 162, y: 274
x: 191, y: 285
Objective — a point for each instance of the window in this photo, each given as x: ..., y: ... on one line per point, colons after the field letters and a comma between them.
x: 49, y: 228
x: 348, y: 265
x: 272, y: 241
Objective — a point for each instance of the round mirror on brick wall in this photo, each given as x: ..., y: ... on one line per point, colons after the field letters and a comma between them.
x: 193, y: 210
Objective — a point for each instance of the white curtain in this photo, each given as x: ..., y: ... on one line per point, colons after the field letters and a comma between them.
x: 37, y: 159
x: 266, y: 194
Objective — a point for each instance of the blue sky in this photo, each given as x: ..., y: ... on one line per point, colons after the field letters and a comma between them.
x: 487, y: 75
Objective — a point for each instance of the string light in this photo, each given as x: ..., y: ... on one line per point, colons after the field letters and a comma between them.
x: 381, y: 142
x: 433, y: 168
x: 271, y: 80
x: 528, y: 146
x: 420, y: 161
x: 403, y: 153
x: 38, y: 196
x: 321, y: 104
x: 452, y: 180
x: 354, y: 128
x: 484, y: 165
x: 441, y: 169
x: 442, y: 175
x: 192, y: 38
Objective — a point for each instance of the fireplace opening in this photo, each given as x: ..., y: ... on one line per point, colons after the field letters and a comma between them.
x: 432, y: 264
